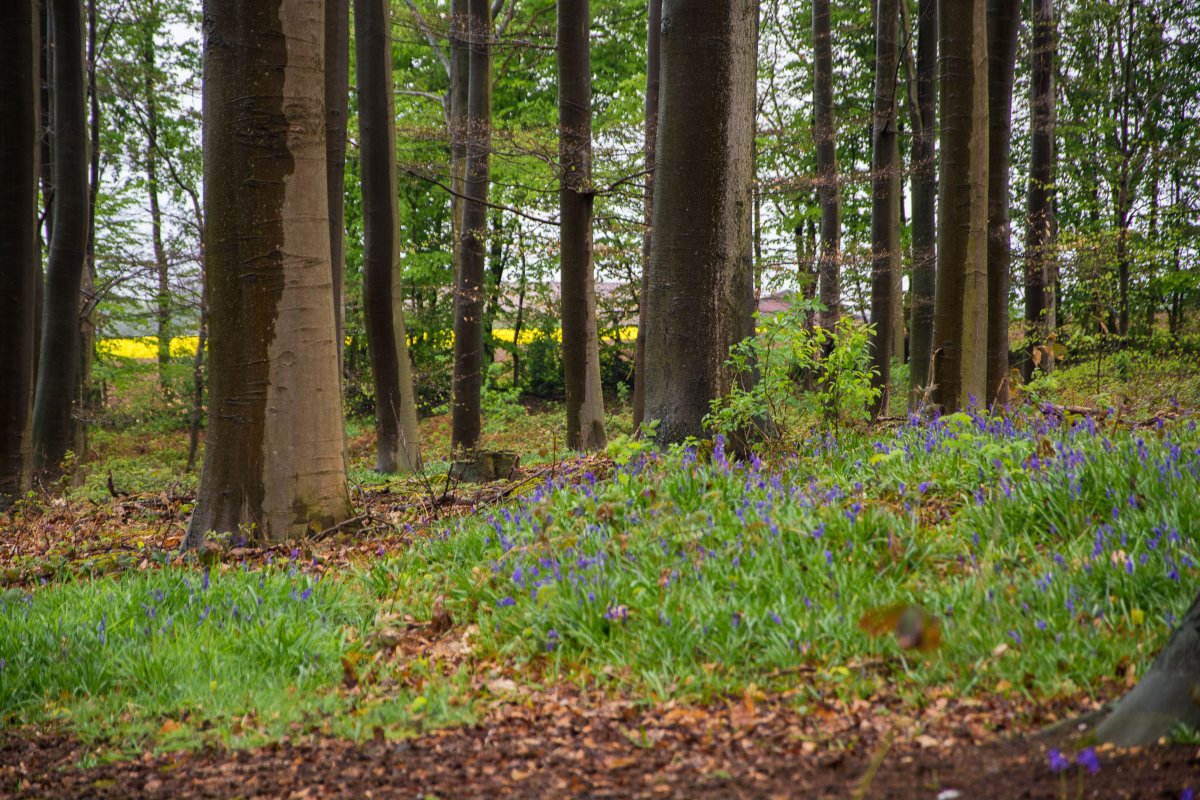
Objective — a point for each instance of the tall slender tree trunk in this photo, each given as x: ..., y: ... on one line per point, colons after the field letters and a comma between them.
x: 828, y: 192
x: 1003, y: 23
x: 653, y: 65
x: 273, y: 460
x: 700, y: 294
x: 398, y: 444
x: 460, y: 74
x: 1039, y: 232
x: 466, y: 423
x: 581, y: 345
x: 924, y: 198
x: 161, y: 269
x: 20, y: 129
x: 885, y: 241
x: 960, y: 313
x: 337, y: 96
x: 58, y: 363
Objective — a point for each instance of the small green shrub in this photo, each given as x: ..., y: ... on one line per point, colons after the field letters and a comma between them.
x: 774, y: 366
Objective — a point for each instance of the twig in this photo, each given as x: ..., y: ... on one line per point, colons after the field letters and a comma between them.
x: 325, y: 534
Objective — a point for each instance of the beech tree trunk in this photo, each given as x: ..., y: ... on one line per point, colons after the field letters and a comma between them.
x: 828, y: 192
x: 55, y: 399
x: 581, y: 345
x: 397, y: 436
x: 959, y: 361
x: 653, y: 65
x: 700, y: 293
x: 924, y: 200
x: 460, y: 73
x: 337, y: 95
x: 163, y: 298
x: 466, y: 423
x: 273, y: 461
x: 1165, y: 698
x: 1039, y: 232
x: 20, y: 133
x: 1003, y: 23
x: 885, y: 183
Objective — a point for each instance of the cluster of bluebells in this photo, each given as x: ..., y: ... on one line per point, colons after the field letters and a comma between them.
x: 638, y: 550
x: 1086, y: 758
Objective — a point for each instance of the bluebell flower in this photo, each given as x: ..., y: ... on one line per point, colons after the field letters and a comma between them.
x: 1058, y: 762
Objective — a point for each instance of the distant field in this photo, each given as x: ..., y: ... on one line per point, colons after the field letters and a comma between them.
x: 146, y: 347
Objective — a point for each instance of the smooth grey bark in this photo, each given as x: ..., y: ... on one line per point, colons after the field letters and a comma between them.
x: 885, y: 185
x: 55, y: 398
x: 650, y: 138
x: 397, y: 435
x: 959, y: 356
x: 1003, y: 24
x: 273, y: 460
x: 924, y: 199
x: 700, y: 292
x: 466, y: 422
x: 1168, y: 696
x: 828, y: 191
x: 580, y: 341
x: 1039, y: 218
x: 20, y: 130
x: 337, y: 98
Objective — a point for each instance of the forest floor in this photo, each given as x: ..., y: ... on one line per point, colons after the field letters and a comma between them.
x: 627, y: 624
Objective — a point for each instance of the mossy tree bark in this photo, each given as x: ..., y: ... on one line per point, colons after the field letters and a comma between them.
x: 466, y: 422
x: 653, y: 65
x: 1039, y: 221
x: 924, y: 199
x: 828, y: 192
x: 274, y: 456
x: 20, y: 129
x: 397, y: 436
x: 885, y: 185
x: 580, y: 345
x: 1003, y: 24
x: 55, y: 399
x: 700, y: 292
x: 959, y: 361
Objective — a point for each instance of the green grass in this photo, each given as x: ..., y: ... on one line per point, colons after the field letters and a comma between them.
x: 1051, y: 576
x: 1057, y: 556
x: 177, y: 657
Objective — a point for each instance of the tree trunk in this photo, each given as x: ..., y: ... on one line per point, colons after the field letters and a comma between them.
x: 581, y: 345
x: 337, y: 94
x: 924, y: 199
x: 1003, y: 22
x: 700, y: 292
x: 398, y: 444
x: 1039, y: 233
x: 460, y: 73
x: 20, y: 128
x: 468, y: 307
x: 653, y: 65
x: 885, y: 244
x: 959, y: 360
x: 273, y: 460
x: 163, y: 298
x: 58, y: 372
x: 825, y: 140
x: 1166, y: 697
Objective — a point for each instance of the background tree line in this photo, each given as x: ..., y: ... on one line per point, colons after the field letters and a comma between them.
x: 519, y: 141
